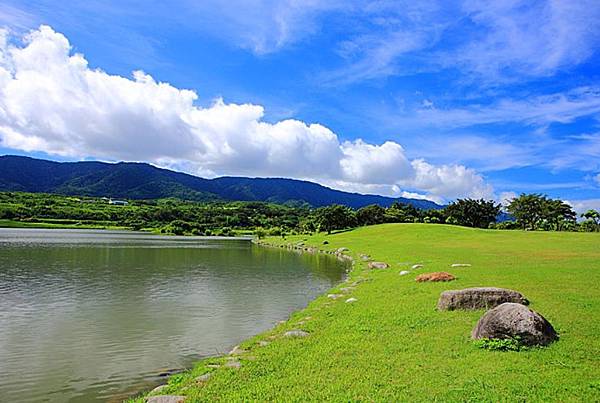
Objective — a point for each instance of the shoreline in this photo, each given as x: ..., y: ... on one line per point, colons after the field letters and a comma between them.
x: 352, y: 278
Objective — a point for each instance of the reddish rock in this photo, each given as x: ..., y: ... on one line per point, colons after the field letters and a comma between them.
x: 437, y: 276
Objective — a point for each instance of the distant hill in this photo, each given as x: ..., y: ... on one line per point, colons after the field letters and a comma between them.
x: 144, y: 181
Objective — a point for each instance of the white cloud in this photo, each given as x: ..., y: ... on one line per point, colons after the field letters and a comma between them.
x: 506, y: 197
x: 597, y: 179
x: 487, y: 154
x: 452, y: 181
x: 419, y: 196
x: 581, y: 206
x: 490, y: 42
x: 51, y: 101
x: 263, y: 26
x: 516, y: 38
x: 538, y: 110
x: 367, y: 163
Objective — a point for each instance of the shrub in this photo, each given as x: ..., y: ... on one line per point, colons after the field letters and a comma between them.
x: 511, y: 344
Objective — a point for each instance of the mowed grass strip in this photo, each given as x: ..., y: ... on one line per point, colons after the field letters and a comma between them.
x: 391, y: 344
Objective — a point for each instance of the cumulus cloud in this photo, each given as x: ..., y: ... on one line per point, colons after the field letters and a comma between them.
x: 581, y: 206
x: 452, y: 181
x: 51, y: 101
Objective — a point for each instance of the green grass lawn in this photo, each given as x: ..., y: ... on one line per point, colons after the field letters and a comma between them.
x: 393, y: 345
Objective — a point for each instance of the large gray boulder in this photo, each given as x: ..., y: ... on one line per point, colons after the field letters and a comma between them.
x: 478, y: 298
x: 510, y: 321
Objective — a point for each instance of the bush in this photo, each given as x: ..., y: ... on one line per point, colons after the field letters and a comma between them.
x: 260, y: 233
x: 512, y: 344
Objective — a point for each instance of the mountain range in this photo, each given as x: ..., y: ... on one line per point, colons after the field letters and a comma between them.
x: 133, y: 180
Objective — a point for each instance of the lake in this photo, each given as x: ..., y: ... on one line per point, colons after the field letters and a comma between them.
x: 98, y: 315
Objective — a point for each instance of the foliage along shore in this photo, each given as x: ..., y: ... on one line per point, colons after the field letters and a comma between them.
x: 179, y: 217
x: 378, y: 336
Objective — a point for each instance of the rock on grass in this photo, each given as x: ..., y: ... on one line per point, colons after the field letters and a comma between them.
x: 237, y: 350
x: 378, y: 265
x: 515, y: 321
x: 204, y: 378
x: 478, y: 298
x: 166, y: 399
x: 296, y: 333
x: 434, y: 277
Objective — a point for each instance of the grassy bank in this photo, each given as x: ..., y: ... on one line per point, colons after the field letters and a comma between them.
x: 59, y: 224
x: 391, y: 344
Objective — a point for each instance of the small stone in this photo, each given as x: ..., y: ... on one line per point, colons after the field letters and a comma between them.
x: 404, y: 272
x: 296, y: 333
x: 342, y: 249
x: 333, y: 296
x: 378, y: 265
x: 166, y: 399
x: 237, y: 351
x: 461, y: 265
x: 204, y: 378
x: 263, y: 343
x: 169, y: 372
x: 213, y: 365
x: 416, y: 266
x: 351, y: 300
x: 515, y: 321
x: 233, y: 364
x: 158, y: 388
x: 437, y: 276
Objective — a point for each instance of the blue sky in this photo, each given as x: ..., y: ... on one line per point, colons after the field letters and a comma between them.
x: 435, y: 99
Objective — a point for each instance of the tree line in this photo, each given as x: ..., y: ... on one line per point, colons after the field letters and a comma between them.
x: 174, y: 216
x: 534, y: 212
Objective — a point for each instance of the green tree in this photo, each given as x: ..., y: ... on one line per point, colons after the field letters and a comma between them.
x: 593, y: 215
x: 401, y: 212
x: 528, y: 210
x: 536, y: 211
x: 592, y: 222
x: 559, y: 215
x: 260, y: 233
x: 335, y: 217
x: 370, y: 215
x: 472, y: 213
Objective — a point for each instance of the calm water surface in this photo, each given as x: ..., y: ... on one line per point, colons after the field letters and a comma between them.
x: 98, y: 315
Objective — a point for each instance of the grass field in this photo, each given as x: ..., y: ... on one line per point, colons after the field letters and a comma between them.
x: 392, y: 344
